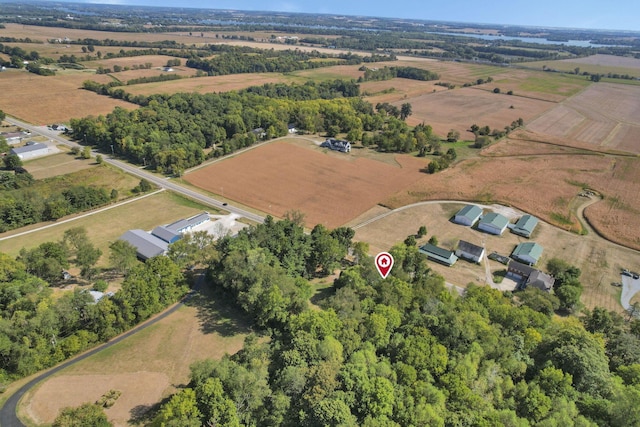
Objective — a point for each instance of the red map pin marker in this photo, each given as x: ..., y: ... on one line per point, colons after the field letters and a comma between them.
x: 384, y: 263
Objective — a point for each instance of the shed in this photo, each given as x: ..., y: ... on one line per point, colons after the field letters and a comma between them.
x: 527, y: 252
x: 525, y: 226
x: 30, y: 151
x: 437, y: 254
x: 468, y: 215
x: 469, y: 251
x: 165, y: 234
x: 147, y: 245
x: 493, y: 223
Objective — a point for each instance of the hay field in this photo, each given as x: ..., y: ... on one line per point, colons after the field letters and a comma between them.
x: 460, y: 108
x: 146, y: 367
x: 329, y: 188
x: 592, y: 254
x: 41, y: 100
x: 605, y: 115
x: 209, y: 84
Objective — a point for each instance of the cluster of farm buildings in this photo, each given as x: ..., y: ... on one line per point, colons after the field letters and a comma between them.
x: 522, y: 259
x: 155, y: 243
x: 28, y: 151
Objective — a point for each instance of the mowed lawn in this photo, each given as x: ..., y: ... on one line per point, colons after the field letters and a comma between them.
x: 107, y: 226
x: 146, y: 367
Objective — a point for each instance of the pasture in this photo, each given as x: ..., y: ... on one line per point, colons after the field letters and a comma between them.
x: 146, y: 367
x: 330, y: 188
x: 106, y: 226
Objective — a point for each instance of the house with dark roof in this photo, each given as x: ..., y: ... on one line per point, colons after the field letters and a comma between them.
x: 469, y: 251
x: 527, y: 252
x: 525, y: 226
x: 337, y: 145
x: 540, y: 280
x: 437, y: 254
x: 468, y: 215
x: 493, y: 223
x: 529, y: 276
x: 31, y: 150
x: 147, y: 245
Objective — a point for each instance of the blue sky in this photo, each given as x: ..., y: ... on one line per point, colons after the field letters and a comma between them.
x: 599, y: 14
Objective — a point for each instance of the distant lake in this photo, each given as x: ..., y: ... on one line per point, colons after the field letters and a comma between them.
x: 539, y: 40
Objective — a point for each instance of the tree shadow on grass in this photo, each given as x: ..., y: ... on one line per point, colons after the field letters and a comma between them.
x: 219, y: 315
x: 144, y: 414
x: 322, y: 294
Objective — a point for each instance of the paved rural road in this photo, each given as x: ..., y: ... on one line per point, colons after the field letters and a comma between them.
x: 161, y: 182
x: 8, y: 417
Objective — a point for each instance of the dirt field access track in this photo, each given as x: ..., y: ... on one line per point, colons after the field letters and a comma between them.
x: 329, y: 188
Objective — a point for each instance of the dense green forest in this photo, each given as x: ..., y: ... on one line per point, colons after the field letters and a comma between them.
x: 403, y: 351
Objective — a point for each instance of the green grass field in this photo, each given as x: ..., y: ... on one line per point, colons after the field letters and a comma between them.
x: 560, y: 84
x: 106, y: 226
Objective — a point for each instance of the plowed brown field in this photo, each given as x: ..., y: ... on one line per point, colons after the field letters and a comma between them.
x: 329, y: 188
x: 459, y: 109
x: 41, y: 100
x: 604, y: 114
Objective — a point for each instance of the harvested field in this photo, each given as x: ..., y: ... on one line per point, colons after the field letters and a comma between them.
x: 592, y: 254
x: 146, y: 367
x: 130, y: 61
x: 209, y: 84
x: 329, y: 188
x: 51, y: 99
x: 459, y: 109
x: 545, y: 184
x: 604, y: 114
x: 594, y: 64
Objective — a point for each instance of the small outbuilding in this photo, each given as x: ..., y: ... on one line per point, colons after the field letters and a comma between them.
x: 437, y: 254
x: 527, y: 252
x: 469, y: 251
x: 468, y: 215
x: 525, y: 226
x: 30, y: 151
x: 493, y: 223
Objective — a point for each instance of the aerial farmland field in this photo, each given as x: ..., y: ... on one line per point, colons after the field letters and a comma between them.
x: 329, y: 188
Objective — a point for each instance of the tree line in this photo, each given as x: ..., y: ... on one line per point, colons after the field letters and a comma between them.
x: 388, y: 73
